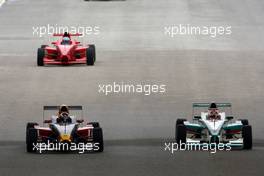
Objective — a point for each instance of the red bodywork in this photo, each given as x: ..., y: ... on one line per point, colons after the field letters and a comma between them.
x: 73, y: 53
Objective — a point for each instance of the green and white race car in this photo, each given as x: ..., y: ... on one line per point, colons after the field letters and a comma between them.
x: 214, y: 123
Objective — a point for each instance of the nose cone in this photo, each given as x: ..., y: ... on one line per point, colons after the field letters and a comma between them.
x: 65, y: 52
x: 214, y: 126
x: 65, y: 49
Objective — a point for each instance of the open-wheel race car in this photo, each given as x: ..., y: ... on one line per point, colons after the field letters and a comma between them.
x: 64, y: 128
x: 66, y: 51
x: 214, y: 123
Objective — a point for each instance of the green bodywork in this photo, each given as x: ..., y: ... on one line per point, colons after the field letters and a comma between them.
x: 233, y: 127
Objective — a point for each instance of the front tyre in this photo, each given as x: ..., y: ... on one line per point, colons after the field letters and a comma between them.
x: 93, y: 51
x: 180, y: 133
x: 90, y: 56
x: 247, y: 137
x: 31, y: 139
x: 41, y: 54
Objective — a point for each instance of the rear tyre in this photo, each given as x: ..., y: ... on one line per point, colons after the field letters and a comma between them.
x: 95, y: 124
x: 41, y: 54
x: 247, y: 137
x: 89, y: 56
x: 98, y: 139
x: 180, y: 133
x: 31, y: 139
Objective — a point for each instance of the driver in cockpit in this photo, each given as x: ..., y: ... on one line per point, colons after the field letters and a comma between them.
x: 213, y: 112
x: 63, y: 114
x: 66, y: 41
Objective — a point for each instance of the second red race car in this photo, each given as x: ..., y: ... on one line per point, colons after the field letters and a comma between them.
x: 66, y: 51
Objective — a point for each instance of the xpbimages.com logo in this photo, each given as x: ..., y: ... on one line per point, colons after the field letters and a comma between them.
x: 211, y: 147
x: 80, y: 147
x: 49, y: 29
x: 146, y: 89
x: 187, y: 29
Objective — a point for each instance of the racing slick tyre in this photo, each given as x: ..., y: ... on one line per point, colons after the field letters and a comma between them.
x: 89, y: 56
x: 94, y: 51
x: 247, y: 137
x: 180, y: 133
x: 98, y: 138
x: 244, y: 121
x: 95, y: 124
x: 41, y: 54
x: 31, y: 138
x: 180, y: 121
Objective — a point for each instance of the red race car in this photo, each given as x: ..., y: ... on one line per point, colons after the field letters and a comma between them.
x: 66, y: 51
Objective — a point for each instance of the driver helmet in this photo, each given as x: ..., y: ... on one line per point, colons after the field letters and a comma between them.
x: 213, y: 106
x: 213, y: 110
x: 65, y: 40
x: 63, y: 108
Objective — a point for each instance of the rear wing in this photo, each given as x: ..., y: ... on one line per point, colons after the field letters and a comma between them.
x: 56, y: 108
x: 51, y: 108
x: 69, y: 34
x: 206, y: 105
x: 198, y: 106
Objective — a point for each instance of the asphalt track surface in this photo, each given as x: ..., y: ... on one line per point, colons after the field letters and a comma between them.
x: 132, y: 48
